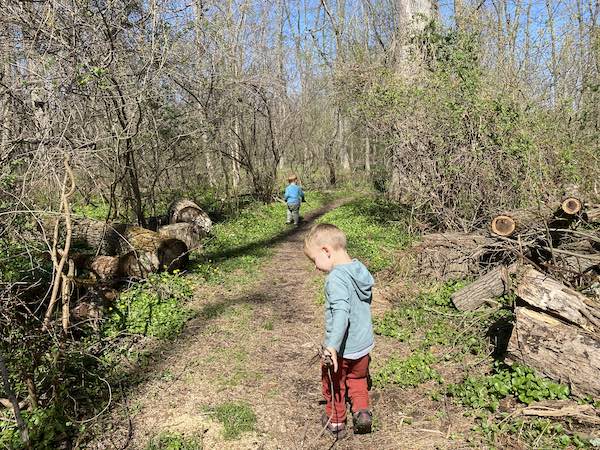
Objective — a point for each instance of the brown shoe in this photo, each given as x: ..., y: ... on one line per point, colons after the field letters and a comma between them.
x: 362, y: 421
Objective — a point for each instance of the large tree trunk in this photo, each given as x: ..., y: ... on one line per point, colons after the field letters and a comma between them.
x: 545, y: 293
x: 155, y: 256
x: 411, y: 18
x: 141, y: 251
x: 185, y: 232
x: 556, y: 350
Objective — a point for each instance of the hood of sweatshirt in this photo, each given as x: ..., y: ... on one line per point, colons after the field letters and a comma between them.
x: 360, y: 276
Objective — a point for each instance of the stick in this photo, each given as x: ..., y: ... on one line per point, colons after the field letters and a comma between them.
x: 15, y: 404
x: 58, y: 265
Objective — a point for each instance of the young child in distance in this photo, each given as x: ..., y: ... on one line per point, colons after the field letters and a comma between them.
x: 293, y: 197
x: 348, y: 328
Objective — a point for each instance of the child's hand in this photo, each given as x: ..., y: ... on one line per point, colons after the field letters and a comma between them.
x: 330, y: 351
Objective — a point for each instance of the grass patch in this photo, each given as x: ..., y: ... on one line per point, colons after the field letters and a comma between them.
x: 236, y: 417
x: 174, y: 441
x: 155, y: 307
x: 375, y: 228
x: 239, y: 245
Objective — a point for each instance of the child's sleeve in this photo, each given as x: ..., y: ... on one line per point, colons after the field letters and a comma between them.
x: 338, y: 298
x: 285, y: 194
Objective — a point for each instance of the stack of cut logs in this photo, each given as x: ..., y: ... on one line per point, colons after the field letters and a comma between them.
x: 122, y: 251
x: 549, y: 258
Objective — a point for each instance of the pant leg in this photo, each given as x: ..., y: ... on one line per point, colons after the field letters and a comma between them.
x: 356, y: 381
x: 288, y: 215
x: 338, y: 414
x: 294, y: 208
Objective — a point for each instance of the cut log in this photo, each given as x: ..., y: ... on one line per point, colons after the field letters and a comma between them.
x: 512, y: 223
x: 559, y: 351
x: 111, y: 239
x: 186, y: 211
x: 447, y: 256
x: 543, y: 292
x: 571, y: 203
x: 162, y: 254
x: 491, y: 285
x: 186, y: 232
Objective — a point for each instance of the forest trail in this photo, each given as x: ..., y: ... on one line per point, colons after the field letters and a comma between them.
x: 255, y: 345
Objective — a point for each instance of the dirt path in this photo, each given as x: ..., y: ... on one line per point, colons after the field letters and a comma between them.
x: 255, y: 345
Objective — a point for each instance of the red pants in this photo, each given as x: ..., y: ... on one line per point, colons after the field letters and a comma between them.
x: 352, y: 375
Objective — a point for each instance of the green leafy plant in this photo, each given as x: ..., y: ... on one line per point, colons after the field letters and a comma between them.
x: 538, y: 433
x: 409, y: 372
x: 519, y: 381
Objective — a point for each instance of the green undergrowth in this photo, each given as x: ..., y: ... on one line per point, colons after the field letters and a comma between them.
x: 408, y: 372
x: 431, y: 321
x: 236, y: 417
x: 236, y: 248
x: 521, y: 382
x: 155, y: 307
x: 174, y: 441
x: 529, y: 433
x: 482, y: 395
x: 375, y: 228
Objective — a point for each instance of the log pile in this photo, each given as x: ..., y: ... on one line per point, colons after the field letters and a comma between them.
x: 548, y: 257
x: 118, y: 251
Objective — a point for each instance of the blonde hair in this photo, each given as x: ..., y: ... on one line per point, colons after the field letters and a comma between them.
x: 326, y: 234
x: 292, y: 178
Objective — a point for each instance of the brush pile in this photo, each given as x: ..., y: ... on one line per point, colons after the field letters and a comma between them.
x: 548, y: 258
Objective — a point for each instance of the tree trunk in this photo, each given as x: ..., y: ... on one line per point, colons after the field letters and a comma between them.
x: 367, y: 155
x: 162, y: 254
x: 491, y: 285
x: 186, y: 211
x: 115, y: 239
x: 185, y: 232
x: 556, y: 350
x: 539, y: 290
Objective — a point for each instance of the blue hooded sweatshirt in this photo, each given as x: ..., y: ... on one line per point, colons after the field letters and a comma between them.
x: 293, y: 193
x: 348, y: 295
